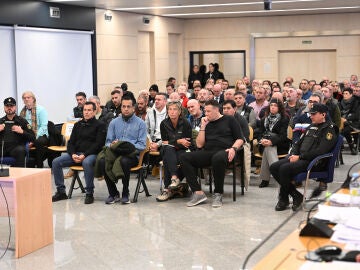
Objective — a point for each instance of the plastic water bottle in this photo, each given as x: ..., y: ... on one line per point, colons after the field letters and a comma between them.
x: 355, y: 189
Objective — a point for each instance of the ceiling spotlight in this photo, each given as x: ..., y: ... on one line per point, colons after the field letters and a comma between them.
x: 267, y: 4
x: 108, y: 15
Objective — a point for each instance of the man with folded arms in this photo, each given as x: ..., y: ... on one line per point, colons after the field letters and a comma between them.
x: 220, y: 136
x: 15, y: 131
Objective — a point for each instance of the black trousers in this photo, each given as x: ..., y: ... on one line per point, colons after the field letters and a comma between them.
x: 126, y: 163
x: 218, y: 160
x: 171, y: 158
x: 16, y: 151
x: 284, y: 171
x: 41, y: 144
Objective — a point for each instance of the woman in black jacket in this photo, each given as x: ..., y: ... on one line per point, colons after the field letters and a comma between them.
x: 272, y: 139
x: 176, y: 136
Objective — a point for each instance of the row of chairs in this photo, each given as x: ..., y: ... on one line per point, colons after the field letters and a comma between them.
x: 76, y: 183
x: 142, y: 167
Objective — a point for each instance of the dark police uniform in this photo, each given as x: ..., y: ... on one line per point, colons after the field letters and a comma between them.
x: 14, y: 143
x: 318, y: 139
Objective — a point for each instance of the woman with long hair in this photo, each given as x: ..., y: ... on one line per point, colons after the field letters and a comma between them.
x: 272, y: 138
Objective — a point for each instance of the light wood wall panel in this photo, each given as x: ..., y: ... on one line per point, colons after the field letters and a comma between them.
x: 118, y: 40
x: 130, y: 51
x: 236, y: 33
x: 307, y: 64
x: 267, y: 55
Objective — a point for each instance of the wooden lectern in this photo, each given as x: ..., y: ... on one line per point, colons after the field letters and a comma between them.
x: 28, y: 192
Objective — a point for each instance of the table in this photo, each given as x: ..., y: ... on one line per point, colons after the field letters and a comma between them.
x: 289, y: 254
x: 28, y: 192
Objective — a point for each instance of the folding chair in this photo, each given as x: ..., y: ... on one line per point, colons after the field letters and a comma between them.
x: 76, y: 178
x: 140, y: 170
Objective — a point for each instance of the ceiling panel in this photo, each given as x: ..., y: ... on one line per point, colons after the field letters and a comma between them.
x: 190, y: 9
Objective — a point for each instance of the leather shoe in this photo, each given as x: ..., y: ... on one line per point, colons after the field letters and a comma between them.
x: 58, y: 196
x: 281, y: 205
x: 89, y: 199
x: 297, y: 200
x: 264, y: 184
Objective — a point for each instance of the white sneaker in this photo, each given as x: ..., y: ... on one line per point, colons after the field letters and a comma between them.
x: 174, y: 183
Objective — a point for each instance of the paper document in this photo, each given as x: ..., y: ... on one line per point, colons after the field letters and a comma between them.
x: 335, y: 265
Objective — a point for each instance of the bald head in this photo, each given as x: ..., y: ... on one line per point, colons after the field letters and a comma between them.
x: 193, y: 107
x: 217, y: 90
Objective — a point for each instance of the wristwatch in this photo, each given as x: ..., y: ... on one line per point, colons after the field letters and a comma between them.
x: 235, y: 148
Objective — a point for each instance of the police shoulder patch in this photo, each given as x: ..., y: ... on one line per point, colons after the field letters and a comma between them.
x: 329, y: 136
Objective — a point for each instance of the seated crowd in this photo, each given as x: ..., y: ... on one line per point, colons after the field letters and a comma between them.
x: 197, y: 124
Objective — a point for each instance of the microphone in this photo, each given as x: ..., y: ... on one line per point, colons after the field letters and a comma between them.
x: 317, y: 227
x: 4, y: 172
x: 289, y: 218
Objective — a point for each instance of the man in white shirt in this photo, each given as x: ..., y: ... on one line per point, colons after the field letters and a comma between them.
x: 153, y: 119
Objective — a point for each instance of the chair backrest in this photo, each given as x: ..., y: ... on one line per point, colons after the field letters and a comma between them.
x: 290, y: 133
x: 8, y: 161
x: 66, y: 130
x: 251, y: 133
x: 342, y: 123
x: 332, y: 161
x: 143, y: 152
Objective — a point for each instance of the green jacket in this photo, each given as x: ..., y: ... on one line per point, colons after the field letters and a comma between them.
x: 113, y: 167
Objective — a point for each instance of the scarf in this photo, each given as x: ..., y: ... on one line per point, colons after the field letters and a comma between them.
x: 271, y: 120
x: 33, y: 117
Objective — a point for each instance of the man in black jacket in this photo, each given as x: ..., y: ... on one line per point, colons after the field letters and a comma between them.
x: 86, y: 140
x: 15, y: 131
x: 319, y: 138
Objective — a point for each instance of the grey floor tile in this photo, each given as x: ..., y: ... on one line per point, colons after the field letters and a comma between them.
x: 169, y: 235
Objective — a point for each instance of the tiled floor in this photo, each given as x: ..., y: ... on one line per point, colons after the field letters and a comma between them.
x: 169, y: 235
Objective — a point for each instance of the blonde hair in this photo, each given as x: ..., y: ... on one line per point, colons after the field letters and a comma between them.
x: 31, y: 94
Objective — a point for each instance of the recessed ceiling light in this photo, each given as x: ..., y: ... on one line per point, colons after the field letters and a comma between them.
x: 255, y: 11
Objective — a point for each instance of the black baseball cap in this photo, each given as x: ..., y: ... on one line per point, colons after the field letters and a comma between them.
x: 154, y: 87
x: 124, y: 86
x: 9, y: 101
x: 318, y: 107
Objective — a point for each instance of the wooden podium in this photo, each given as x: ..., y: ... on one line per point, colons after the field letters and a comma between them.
x: 28, y: 192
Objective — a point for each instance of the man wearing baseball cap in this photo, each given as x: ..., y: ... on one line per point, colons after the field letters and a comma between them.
x: 15, y: 131
x: 319, y: 138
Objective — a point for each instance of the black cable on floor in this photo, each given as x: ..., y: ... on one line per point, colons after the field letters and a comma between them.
x: 8, y: 212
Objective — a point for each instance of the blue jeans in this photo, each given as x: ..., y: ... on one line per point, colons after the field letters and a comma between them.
x: 65, y: 160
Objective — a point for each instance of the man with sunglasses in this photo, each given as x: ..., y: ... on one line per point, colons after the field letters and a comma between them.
x: 319, y: 138
x: 15, y: 131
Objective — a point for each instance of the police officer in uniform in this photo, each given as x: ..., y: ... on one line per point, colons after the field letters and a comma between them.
x: 319, y: 138
x: 15, y: 131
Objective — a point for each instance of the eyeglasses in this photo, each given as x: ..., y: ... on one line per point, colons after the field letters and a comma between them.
x: 313, y: 101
